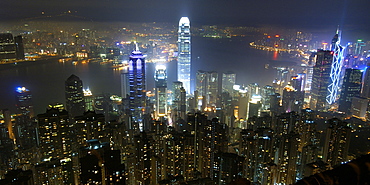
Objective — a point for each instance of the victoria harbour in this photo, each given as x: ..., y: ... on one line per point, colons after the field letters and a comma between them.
x: 46, y: 78
x: 184, y: 92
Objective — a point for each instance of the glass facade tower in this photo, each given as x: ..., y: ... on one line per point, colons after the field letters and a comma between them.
x: 137, y: 89
x: 184, y: 58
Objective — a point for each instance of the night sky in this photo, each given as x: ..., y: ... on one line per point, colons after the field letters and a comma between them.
x: 288, y: 13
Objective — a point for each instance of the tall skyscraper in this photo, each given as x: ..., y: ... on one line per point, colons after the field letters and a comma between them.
x: 207, y: 87
x: 351, y: 87
x: 184, y: 57
x: 24, y: 101
x: 161, y: 90
x: 137, y: 82
x: 366, y: 87
x: 321, y: 80
x: 228, y: 82
x: 336, y: 69
x: 75, y: 103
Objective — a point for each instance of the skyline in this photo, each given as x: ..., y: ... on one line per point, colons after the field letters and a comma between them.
x: 290, y: 13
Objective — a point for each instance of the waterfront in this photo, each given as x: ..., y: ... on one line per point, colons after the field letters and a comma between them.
x: 46, y: 79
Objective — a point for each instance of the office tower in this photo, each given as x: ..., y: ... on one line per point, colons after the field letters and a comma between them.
x: 184, y: 56
x: 253, y: 89
x: 89, y: 100
x: 200, y: 87
x: 321, y: 80
x: 55, y: 134
x: 299, y: 83
x: 125, y: 85
x: 289, y: 98
x: 351, y: 87
x: 207, y: 87
x: 137, y: 82
x: 336, y: 143
x: 309, y: 71
x: 275, y: 107
x: 359, y: 107
x: 75, y: 103
x: 7, y: 47
x: 161, y: 90
x: 182, y: 103
x: 266, y: 93
x: 24, y: 128
x: 228, y: 82
x: 24, y: 101
x: 336, y: 69
x: 176, y: 97
x: 254, y: 106
x: 366, y: 86
x: 19, y: 48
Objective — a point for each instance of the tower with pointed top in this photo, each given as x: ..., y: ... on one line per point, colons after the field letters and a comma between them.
x: 336, y: 69
x: 184, y: 57
x: 137, y: 95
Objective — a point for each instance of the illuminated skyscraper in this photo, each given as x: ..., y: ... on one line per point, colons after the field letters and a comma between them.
x: 336, y: 69
x: 351, y: 87
x: 75, y: 103
x: 184, y: 58
x: 228, y: 82
x: 161, y: 88
x: 24, y: 101
x: 321, y: 80
x: 137, y: 81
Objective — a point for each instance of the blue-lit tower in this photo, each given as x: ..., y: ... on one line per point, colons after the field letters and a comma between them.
x: 184, y: 57
x: 336, y: 69
x: 137, y: 101
x: 161, y: 88
x: 24, y: 101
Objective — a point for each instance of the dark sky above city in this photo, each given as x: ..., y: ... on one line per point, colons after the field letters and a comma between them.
x: 287, y: 13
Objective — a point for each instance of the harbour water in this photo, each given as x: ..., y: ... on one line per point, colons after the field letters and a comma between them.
x: 46, y: 79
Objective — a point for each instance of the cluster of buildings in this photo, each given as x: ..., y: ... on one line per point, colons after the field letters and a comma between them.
x: 215, y: 134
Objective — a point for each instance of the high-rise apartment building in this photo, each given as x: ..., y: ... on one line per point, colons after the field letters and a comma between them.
x: 184, y: 56
x: 55, y: 134
x: 336, y: 143
x: 321, y: 80
x: 75, y: 103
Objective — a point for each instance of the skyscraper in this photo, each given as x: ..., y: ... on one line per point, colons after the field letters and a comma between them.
x: 161, y: 89
x: 321, y: 80
x: 75, y: 103
x: 24, y: 101
x: 137, y: 82
x: 184, y: 58
x: 228, y: 82
x: 336, y: 69
x: 351, y: 87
